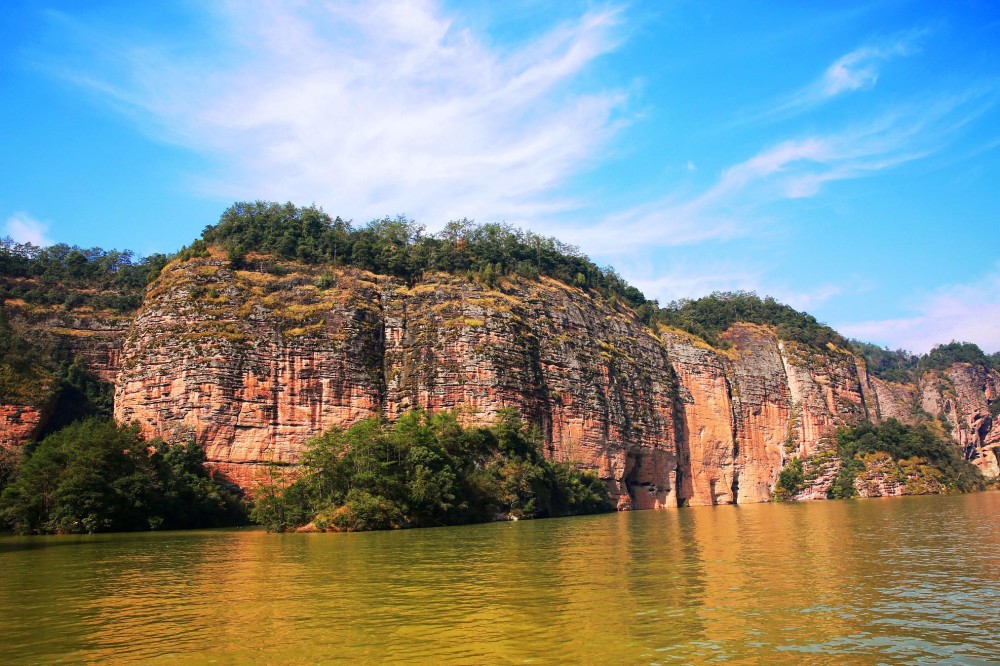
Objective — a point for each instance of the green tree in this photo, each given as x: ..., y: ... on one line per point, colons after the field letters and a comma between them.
x: 96, y: 476
x: 790, y: 481
x: 424, y: 470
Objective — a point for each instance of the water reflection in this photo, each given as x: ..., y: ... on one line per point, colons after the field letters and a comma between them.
x: 905, y: 580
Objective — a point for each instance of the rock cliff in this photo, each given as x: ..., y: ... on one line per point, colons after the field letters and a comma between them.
x: 253, y: 359
x: 94, y: 339
x: 252, y: 363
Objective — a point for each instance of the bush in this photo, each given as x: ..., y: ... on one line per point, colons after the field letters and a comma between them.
x: 426, y: 470
x: 791, y: 480
x: 909, y: 445
x: 99, y: 476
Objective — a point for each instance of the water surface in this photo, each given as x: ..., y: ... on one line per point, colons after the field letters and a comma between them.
x: 907, y: 580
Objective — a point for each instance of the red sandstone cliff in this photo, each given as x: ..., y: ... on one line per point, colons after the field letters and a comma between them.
x: 95, y: 339
x: 252, y: 363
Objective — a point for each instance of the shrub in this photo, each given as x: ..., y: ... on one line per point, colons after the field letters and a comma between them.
x: 98, y: 476
x: 425, y: 470
x: 790, y: 481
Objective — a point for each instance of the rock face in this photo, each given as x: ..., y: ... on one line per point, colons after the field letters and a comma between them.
x: 594, y: 380
x: 253, y: 361
x: 963, y: 395
x: 20, y: 424
x: 252, y: 364
x: 749, y: 409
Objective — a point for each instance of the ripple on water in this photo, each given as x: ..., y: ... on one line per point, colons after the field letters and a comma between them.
x: 911, y: 580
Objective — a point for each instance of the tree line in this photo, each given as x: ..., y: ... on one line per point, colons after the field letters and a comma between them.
x: 73, y: 276
x: 402, y: 248
x: 902, y: 366
x: 711, y: 315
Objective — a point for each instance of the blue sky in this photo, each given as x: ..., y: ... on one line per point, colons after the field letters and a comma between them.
x: 843, y: 157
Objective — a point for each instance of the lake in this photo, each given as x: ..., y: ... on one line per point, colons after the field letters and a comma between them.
x: 905, y: 580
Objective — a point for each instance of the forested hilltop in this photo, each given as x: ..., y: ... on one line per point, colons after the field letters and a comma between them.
x: 903, y: 366
x: 75, y: 279
x: 487, y: 252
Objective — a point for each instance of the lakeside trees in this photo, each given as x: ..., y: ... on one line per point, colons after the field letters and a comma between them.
x: 98, y: 476
x: 426, y: 470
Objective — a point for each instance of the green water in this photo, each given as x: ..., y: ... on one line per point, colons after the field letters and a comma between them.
x: 910, y: 580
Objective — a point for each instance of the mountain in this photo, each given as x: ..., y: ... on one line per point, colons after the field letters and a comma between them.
x: 255, y: 339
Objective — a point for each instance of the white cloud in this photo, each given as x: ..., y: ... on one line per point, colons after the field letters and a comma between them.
x: 373, y: 108
x: 853, y: 71
x: 738, y: 202
x: 25, y: 229
x: 684, y: 280
x: 963, y: 312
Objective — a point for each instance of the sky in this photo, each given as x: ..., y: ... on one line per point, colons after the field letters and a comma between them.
x: 843, y: 157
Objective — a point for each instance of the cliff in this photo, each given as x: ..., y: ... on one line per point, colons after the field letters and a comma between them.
x: 253, y: 358
x: 252, y: 363
x: 43, y: 339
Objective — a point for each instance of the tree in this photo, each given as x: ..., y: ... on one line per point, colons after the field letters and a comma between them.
x: 97, y: 476
x: 424, y: 470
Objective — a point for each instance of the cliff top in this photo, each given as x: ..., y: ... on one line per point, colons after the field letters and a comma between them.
x: 296, y: 243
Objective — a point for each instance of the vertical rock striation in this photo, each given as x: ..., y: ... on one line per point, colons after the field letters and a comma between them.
x: 251, y: 364
x: 251, y: 361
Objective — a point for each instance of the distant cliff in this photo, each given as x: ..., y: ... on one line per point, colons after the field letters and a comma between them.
x: 253, y: 354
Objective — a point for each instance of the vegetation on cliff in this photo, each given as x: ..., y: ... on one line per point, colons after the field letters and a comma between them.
x: 27, y: 374
x: 711, y: 315
x: 76, y: 277
x: 902, y: 366
x: 918, y: 458
x: 33, y: 374
x: 915, y: 456
x: 98, y: 476
x: 426, y: 470
x: 401, y: 248
x: 36, y: 367
x: 890, y: 365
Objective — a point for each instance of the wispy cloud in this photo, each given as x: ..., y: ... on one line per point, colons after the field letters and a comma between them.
x: 738, y: 201
x: 371, y: 108
x: 964, y: 312
x: 23, y: 228
x: 688, y: 279
x: 856, y: 70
